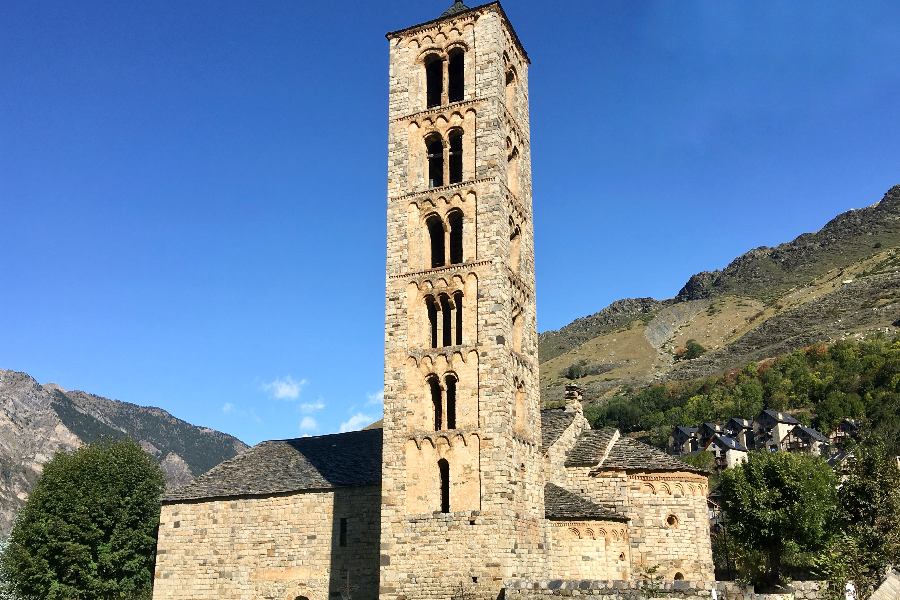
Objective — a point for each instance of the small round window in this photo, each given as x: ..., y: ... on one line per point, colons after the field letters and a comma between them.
x: 679, y: 576
x: 621, y: 556
x: 672, y: 521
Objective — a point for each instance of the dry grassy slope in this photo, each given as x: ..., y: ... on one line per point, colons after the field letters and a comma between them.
x: 633, y: 344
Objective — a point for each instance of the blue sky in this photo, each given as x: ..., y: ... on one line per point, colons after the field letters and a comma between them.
x: 192, y: 194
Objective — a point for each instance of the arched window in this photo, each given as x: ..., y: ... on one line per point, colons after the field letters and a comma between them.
x: 512, y: 171
x: 435, y: 149
x: 447, y: 320
x: 517, y: 328
x: 444, y: 470
x: 510, y: 89
x: 458, y: 301
x: 435, y: 388
x: 519, y: 409
x: 436, y: 238
x: 515, y: 240
x: 456, y: 75
x: 450, y: 384
x: 455, y: 220
x: 456, y: 156
x: 431, y: 307
x: 434, y: 80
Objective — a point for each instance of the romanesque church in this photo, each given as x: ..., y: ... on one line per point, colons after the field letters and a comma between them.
x: 469, y: 488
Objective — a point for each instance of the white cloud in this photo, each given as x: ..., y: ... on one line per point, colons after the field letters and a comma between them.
x: 228, y: 408
x: 285, y: 389
x: 309, y: 407
x: 357, y: 421
x: 308, y: 423
x: 376, y: 398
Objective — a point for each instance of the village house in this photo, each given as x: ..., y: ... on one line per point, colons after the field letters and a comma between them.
x: 468, y: 489
x: 728, y: 451
x: 847, y: 428
x: 683, y: 441
x: 770, y: 428
x: 741, y: 430
x: 806, y: 440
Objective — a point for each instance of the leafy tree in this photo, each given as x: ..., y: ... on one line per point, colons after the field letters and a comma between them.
x: 869, y: 538
x: 88, y: 529
x: 780, y: 509
x: 694, y: 350
x: 702, y: 460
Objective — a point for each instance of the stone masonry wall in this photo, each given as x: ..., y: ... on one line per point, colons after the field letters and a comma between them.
x: 644, y: 590
x: 589, y: 549
x: 275, y: 548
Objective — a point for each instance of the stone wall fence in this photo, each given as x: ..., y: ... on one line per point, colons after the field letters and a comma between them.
x: 642, y: 589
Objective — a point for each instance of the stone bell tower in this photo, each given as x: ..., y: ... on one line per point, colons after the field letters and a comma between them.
x: 462, y: 494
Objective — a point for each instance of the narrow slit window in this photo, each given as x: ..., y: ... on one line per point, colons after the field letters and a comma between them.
x: 343, y: 534
x: 515, y: 240
x: 451, y: 402
x: 431, y: 306
x: 447, y: 321
x: 456, y: 75
x: 458, y: 300
x: 456, y: 237
x: 434, y: 81
x: 435, y: 149
x: 456, y: 157
x: 436, y: 239
x: 436, y: 402
x: 444, y: 470
x: 510, y: 90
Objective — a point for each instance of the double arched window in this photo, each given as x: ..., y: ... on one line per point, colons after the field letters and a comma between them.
x: 445, y: 319
x: 441, y: 235
x: 439, y: 70
x: 443, y: 401
x: 444, y: 160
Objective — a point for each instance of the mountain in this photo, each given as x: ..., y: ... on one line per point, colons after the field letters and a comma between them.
x: 38, y: 420
x: 841, y: 281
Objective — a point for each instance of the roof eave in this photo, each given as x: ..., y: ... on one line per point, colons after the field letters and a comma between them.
x: 405, y: 31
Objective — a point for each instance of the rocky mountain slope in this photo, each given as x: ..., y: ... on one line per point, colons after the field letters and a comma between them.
x: 843, y: 280
x: 36, y: 421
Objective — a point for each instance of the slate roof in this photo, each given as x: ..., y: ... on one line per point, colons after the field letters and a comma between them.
x: 554, y: 421
x: 781, y: 417
x: 688, y: 431
x: 745, y: 423
x: 457, y: 7
x: 322, y: 462
x: 626, y: 454
x: 563, y: 504
x: 728, y: 442
x: 590, y: 447
x: 812, y: 433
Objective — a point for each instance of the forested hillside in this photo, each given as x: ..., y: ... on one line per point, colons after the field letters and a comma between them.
x: 820, y: 385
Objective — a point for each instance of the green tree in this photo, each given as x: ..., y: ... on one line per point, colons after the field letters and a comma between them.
x: 869, y: 538
x: 88, y: 529
x: 780, y: 509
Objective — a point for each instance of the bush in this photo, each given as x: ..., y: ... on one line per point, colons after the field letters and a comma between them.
x: 88, y: 529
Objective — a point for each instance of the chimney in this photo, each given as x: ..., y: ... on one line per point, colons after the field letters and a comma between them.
x: 574, y: 396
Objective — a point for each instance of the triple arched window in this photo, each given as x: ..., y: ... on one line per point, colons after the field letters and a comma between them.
x: 444, y: 235
x: 445, y: 78
x: 443, y: 401
x: 444, y: 158
x: 445, y: 319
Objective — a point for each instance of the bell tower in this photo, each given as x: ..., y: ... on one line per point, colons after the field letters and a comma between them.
x: 462, y: 492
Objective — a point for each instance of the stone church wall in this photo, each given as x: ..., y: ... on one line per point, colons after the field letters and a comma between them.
x: 589, y: 550
x: 278, y: 548
x: 670, y: 525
